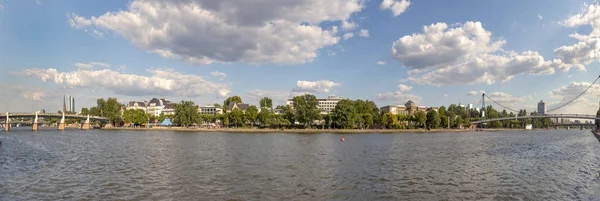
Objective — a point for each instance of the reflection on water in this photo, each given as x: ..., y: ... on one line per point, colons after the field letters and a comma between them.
x: 75, y: 164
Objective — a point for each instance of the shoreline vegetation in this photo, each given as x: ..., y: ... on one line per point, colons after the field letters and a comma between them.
x: 315, y: 131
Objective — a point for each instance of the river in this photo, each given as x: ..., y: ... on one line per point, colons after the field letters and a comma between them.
x: 133, y: 165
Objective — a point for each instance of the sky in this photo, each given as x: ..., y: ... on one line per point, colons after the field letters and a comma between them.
x: 389, y: 51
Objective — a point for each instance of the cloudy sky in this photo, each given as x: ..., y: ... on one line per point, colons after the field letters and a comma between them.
x: 391, y: 51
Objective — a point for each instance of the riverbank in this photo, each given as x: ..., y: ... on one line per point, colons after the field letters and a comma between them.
x: 340, y: 131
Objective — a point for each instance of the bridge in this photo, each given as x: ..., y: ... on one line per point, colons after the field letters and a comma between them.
x: 7, y: 121
x: 547, y: 114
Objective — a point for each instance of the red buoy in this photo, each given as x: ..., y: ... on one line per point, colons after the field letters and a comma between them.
x: 342, y: 139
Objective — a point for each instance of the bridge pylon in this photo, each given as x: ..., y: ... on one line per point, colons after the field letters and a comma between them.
x: 86, y: 124
x: 34, y: 126
x: 7, y: 123
x: 61, y: 124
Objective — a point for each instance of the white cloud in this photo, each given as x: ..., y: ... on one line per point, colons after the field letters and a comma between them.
x: 28, y: 93
x: 321, y: 86
x: 218, y: 74
x: 123, y: 67
x: 397, y: 7
x: 278, y: 97
x: 475, y: 93
x: 162, y: 82
x: 1, y: 7
x: 206, y: 31
x: 381, y: 63
x: 398, y: 97
x: 38, y: 2
x: 569, y: 76
x: 404, y: 87
x: 587, y: 49
x: 506, y: 100
x: 540, y: 17
x: 348, y: 25
x: 445, y: 95
x: 348, y: 36
x: 583, y: 105
x: 464, y: 55
x: 91, y: 65
x: 363, y: 33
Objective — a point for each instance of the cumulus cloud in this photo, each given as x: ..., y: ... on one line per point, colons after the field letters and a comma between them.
x: 380, y: 63
x: 91, y: 65
x: 162, y: 82
x: 348, y: 25
x: 465, y: 55
x: 507, y: 100
x: 206, y: 31
x: 398, y: 97
x: 218, y: 74
x: 582, y: 105
x: 587, y: 49
x: 397, y: 7
x: 363, y: 33
x: 540, y: 17
x: 348, y: 36
x: 321, y: 86
x: 27, y: 93
x: 475, y: 93
x: 404, y: 87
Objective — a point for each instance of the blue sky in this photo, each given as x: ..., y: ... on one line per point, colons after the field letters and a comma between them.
x: 174, y: 49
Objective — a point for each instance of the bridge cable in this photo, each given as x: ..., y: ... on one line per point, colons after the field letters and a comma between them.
x: 500, y: 104
x: 581, y: 94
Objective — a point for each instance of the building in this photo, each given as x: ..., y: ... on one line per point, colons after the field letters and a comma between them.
x: 210, y: 110
x: 135, y: 105
x: 169, y: 109
x: 326, y: 105
x: 470, y: 107
x: 73, y: 106
x: 156, y: 105
x: 240, y: 106
x: 541, y: 109
x: 408, y: 108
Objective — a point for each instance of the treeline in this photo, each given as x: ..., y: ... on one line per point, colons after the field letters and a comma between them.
x: 347, y: 114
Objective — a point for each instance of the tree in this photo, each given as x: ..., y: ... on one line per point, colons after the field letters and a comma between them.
x: 344, y: 114
x: 251, y: 114
x: 433, y: 119
x: 111, y: 109
x: 266, y: 102
x: 289, y: 114
x: 235, y: 99
x: 367, y: 120
x: 217, y: 105
x: 442, y: 111
x: 389, y: 120
x: 236, y: 117
x: 84, y: 111
x: 421, y: 118
x: 306, y: 110
x: 263, y: 117
x: 186, y: 113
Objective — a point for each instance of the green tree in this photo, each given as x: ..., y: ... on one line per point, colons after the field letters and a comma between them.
x: 95, y: 111
x: 433, y: 119
x: 289, y: 114
x: 217, y: 105
x: 389, y: 120
x: 236, y: 117
x: 344, y: 114
x: 266, y: 102
x: 442, y: 111
x: 186, y: 113
x: 306, y: 110
x: 235, y: 99
x: 111, y: 109
x: 421, y: 118
x: 263, y: 117
x: 251, y: 114
x: 85, y: 111
x: 367, y: 120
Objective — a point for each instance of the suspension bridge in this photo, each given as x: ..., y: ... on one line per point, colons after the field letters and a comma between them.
x: 484, y: 97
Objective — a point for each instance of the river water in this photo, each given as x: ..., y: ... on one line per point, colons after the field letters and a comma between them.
x: 130, y: 165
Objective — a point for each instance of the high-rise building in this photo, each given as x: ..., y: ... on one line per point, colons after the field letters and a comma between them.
x: 73, y: 106
x: 541, y: 107
x: 64, y: 104
x: 70, y: 103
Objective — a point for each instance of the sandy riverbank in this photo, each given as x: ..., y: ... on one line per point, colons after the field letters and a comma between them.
x: 249, y: 130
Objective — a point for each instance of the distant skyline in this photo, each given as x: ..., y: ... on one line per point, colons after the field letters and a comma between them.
x: 389, y: 51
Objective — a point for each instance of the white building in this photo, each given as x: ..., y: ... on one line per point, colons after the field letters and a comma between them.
x: 156, y: 106
x: 168, y: 109
x: 541, y: 107
x: 325, y: 105
x: 469, y: 106
x: 210, y: 110
x: 134, y: 105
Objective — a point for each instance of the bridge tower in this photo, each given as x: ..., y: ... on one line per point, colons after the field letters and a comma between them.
x: 86, y: 124
x: 34, y: 126
x: 7, y: 123
x: 61, y: 124
x: 482, y: 109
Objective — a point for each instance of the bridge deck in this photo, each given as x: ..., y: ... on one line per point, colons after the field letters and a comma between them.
x: 569, y: 116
